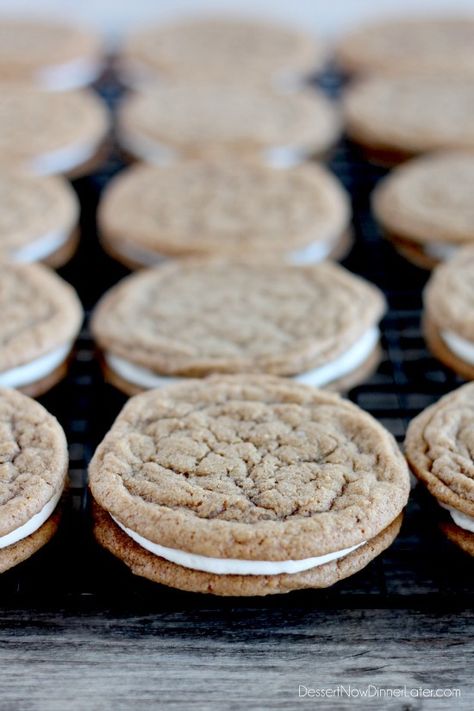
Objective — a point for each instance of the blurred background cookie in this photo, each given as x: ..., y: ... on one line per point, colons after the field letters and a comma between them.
x: 395, y: 118
x: 449, y: 313
x: 223, y: 51
x: 48, y: 54
x: 165, y: 123
x: 47, y: 133
x: 38, y: 219
x: 226, y: 208
x: 413, y: 45
x: 41, y: 317
x: 316, y: 324
x: 426, y: 206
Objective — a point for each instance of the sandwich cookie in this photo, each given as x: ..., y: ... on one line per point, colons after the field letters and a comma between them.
x: 439, y: 447
x: 46, y: 133
x: 38, y: 219
x: 316, y: 324
x: 396, y: 118
x: 449, y: 313
x: 222, y: 51
x: 49, y: 55
x: 227, y: 208
x: 246, y: 485
x: 41, y: 317
x: 33, y: 466
x: 433, y: 46
x: 163, y: 124
x: 425, y: 206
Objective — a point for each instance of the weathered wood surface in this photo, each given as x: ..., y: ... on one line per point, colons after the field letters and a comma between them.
x: 253, y: 658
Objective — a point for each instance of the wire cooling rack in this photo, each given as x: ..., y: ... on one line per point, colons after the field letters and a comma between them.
x: 421, y: 568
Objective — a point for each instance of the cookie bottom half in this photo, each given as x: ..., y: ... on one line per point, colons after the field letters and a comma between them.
x: 441, y: 351
x: 456, y: 534
x: 145, y: 564
x: 62, y: 255
x: 18, y: 552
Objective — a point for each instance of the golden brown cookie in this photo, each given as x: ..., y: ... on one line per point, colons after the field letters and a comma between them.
x: 316, y: 323
x: 223, y: 208
x: 449, y: 312
x: 424, y: 46
x: 246, y: 485
x: 396, y: 118
x: 439, y: 447
x: 38, y: 219
x: 165, y: 123
x: 33, y: 464
x: 425, y: 205
x: 45, y: 133
x: 41, y: 317
x: 52, y: 56
x: 227, y: 51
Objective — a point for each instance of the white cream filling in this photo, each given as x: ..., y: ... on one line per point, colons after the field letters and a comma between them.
x: 32, y: 525
x: 460, y: 519
x: 34, y: 370
x: 440, y: 250
x: 346, y: 363
x: 461, y: 347
x: 311, y: 254
x: 40, y: 248
x: 62, y: 160
x: 233, y: 566
x: 69, y: 75
x: 160, y: 154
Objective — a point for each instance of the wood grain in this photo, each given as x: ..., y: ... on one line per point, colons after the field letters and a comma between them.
x: 251, y: 658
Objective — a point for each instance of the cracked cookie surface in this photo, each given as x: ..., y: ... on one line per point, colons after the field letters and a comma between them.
x: 199, y: 317
x: 440, y: 449
x: 40, y: 312
x: 33, y: 459
x: 252, y: 467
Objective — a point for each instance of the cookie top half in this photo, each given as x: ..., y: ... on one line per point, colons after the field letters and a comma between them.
x: 449, y: 295
x: 429, y: 199
x: 199, y: 317
x: 210, y: 50
x: 440, y: 449
x: 36, y: 125
x: 50, y: 55
x: 208, y: 120
x: 33, y: 459
x: 411, y: 114
x: 31, y: 209
x: 438, y: 46
x: 256, y: 468
x: 39, y: 311
x: 224, y: 207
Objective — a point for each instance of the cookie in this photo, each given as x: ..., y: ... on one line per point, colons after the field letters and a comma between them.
x: 38, y: 219
x: 396, y: 118
x: 225, y: 208
x: 246, y: 485
x: 49, y: 55
x: 439, y: 447
x: 47, y: 133
x: 41, y: 317
x: 449, y: 312
x: 33, y: 465
x: 165, y: 123
x: 227, y: 51
x: 408, y: 46
x: 317, y: 324
x: 425, y: 206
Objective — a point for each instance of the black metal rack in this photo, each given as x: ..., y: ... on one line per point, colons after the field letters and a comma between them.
x: 421, y: 568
